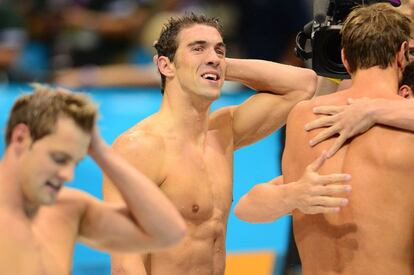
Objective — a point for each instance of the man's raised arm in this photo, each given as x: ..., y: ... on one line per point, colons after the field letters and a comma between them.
x: 147, y: 220
x: 280, y: 87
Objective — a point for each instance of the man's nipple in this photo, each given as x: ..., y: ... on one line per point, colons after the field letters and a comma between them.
x: 195, y: 208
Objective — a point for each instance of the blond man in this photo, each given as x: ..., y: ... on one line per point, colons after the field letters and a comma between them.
x: 49, y: 131
x: 374, y: 233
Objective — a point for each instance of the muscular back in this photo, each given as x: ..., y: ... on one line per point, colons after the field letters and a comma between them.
x: 374, y: 233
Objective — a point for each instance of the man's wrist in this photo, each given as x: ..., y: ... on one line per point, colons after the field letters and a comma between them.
x: 99, y: 149
x: 290, y: 198
x: 375, y: 109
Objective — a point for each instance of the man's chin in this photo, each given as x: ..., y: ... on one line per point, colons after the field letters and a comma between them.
x: 212, y: 93
x: 50, y: 200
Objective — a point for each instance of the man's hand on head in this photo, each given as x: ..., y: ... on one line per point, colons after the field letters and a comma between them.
x: 96, y: 143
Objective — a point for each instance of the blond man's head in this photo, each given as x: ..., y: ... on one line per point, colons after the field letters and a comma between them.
x: 40, y: 110
x: 373, y: 35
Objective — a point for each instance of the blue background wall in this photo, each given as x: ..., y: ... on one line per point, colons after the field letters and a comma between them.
x: 121, y: 109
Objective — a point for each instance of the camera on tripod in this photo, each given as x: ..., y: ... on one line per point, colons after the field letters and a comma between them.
x: 324, y: 34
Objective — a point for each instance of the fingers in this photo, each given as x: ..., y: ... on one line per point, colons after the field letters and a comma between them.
x: 324, y: 205
x: 328, y: 201
x: 329, y: 190
x: 319, y: 123
x: 316, y: 164
x: 333, y: 178
x: 322, y: 210
x: 323, y: 135
x: 328, y: 110
x: 336, y: 145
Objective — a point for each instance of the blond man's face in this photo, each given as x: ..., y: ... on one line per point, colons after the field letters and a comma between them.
x: 50, y: 162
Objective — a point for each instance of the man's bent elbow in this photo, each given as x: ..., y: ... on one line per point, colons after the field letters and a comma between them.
x: 175, y: 234
x: 310, y: 80
x: 248, y: 215
x: 242, y: 210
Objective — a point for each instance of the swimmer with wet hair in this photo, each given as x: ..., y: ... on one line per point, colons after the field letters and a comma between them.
x: 374, y: 233
x: 49, y: 131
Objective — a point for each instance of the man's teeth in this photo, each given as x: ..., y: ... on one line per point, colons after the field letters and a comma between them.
x: 55, y: 186
x: 210, y: 76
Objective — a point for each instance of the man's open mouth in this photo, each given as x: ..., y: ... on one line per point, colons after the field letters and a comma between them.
x: 211, y: 76
x: 55, y: 186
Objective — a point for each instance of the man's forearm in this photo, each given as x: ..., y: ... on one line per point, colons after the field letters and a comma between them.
x: 149, y: 206
x: 272, y: 77
x: 264, y: 203
x: 394, y: 113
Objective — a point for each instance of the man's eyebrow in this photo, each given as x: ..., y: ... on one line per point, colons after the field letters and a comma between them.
x: 198, y: 42
x: 62, y: 154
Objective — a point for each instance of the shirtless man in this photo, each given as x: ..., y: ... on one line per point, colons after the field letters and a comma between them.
x: 188, y: 151
x: 374, y: 233
x: 265, y: 201
x: 48, y: 133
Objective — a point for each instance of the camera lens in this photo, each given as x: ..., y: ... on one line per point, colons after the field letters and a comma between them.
x: 332, y: 50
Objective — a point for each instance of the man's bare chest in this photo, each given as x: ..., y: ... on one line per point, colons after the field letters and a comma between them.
x: 200, y: 184
x: 26, y: 250
x: 44, y: 243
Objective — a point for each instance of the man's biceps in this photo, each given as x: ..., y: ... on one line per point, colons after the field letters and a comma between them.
x: 105, y: 217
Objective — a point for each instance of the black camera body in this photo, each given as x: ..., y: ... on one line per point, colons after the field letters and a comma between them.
x: 324, y: 34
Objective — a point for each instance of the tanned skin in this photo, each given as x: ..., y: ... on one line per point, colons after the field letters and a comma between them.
x: 188, y: 151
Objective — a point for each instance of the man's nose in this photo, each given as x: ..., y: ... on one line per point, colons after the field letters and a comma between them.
x: 213, y: 58
x: 66, y: 173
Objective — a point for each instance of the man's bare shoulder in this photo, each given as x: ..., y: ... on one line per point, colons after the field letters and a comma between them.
x: 221, y: 118
x: 73, y: 196
x: 336, y: 98
x: 70, y: 205
x: 304, y: 109
x: 300, y: 110
x: 145, y: 147
x: 143, y: 137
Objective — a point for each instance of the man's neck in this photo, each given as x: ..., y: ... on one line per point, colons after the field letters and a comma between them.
x: 11, y: 194
x: 187, y: 114
x: 375, y: 81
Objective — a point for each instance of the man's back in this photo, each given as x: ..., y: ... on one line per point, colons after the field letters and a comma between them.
x: 374, y: 233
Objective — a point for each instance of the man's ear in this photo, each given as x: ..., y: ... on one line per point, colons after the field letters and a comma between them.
x: 405, y: 91
x: 403, y: 55
x: 20, y: 137
x: 165, y: 66
x: 344, y: 61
